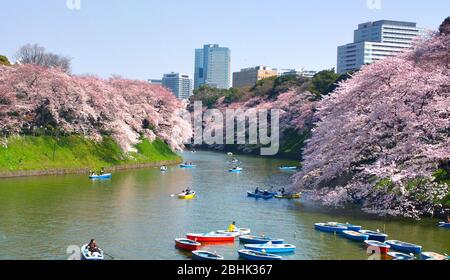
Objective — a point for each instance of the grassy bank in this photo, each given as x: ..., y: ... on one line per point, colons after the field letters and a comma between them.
x: 28, y: 153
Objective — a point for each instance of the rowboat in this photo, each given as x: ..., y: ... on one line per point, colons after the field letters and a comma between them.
x: 163, y: 169
x: 260, y: 195
x: 347, y: 225
x: 88, y: 256
x: 185, y: 195
x: 271, y: 248
x: 404, y: 247
x: 258, y: 256
x: 187, y: 245
x: 210, y: 237
x: 288, y: 168
x: 377, y: 245
x: 329, y: 228
x: 444, y: 225
x: 230, y: 154
x: 375, y: 235
x: 355, y: 236
x: 187, y: 166
x: 400, y: 256
x: 289, y: 196
x: 235, y: 170
x: 251, y: 239
x: 432, y: 256
x: 206, y: 256
x: 99, y: 177
x: 238, y: 232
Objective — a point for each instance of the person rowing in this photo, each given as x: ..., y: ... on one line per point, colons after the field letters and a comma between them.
x: 232, y: 227
x: 93, y: 248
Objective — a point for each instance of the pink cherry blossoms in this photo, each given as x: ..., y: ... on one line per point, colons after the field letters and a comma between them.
x: 390, y: 122
x: 32, y: 96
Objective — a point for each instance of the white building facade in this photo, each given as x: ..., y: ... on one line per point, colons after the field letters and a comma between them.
x: 374, y: 41
x: 180, y: 84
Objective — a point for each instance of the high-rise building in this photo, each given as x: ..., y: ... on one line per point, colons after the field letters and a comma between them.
x: 374, y: 41
x: 249, y: 76
x: 213, y: 67
x: 180, y: 84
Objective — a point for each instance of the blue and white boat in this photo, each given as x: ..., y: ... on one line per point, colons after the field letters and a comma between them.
x: 187, y: 166
x: 261, y: 195
x: 100, y: 177
x: 288, y: 168
x: 444, y: 225
x: 432, y: 256
x: 396, y: 256
x: 271, y: 248
x: 375, y: 235
x: 89, y: 256
x: 251, y: 239
x: 206, y: 256
x: 355, y: 236
x: 235, y: 170
x: 329, y: 228
x: 258, y: 256
x: 347, y: 225
x: 404, y: 247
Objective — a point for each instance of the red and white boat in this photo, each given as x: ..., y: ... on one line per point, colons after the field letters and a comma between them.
x: 210, y: 237
x: 186, y: 244
x: 378, y: 246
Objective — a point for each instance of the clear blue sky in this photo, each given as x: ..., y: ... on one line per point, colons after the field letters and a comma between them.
x: 145, y: 38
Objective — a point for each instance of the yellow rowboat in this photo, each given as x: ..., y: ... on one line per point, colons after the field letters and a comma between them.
x: 289, y: 196
x: 186, y: 196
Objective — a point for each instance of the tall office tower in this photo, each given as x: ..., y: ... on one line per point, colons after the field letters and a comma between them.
x: 213, y: 67
x: 179, y: 84
x: 374, y: 41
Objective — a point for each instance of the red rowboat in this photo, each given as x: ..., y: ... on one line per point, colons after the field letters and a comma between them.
x: 186, y: 244
x: 378, y: 246
x: 210, y: 237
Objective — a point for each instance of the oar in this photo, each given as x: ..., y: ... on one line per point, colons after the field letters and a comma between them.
x: 113, y: 258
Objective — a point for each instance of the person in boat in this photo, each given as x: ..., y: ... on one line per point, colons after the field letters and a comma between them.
x: 283, y: 191
x: 92, y: 247
x: 448, y: 219
x: 188, y: 190
x: 102, y: 171
x: 257, y: 190
x: 232, y: 227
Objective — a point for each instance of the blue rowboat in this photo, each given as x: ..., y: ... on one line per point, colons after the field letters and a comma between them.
x: 329, y: 228
x: 396, y: 256
x: 355, y: 236
x: 347, y: 225
x: 260, y: 195
x: 375, y: 235
x: 284, y: 168
x: 206, y: 256
x: 432, y: 256
x: 251, y: 239
x: 258, y: 256
x: 99, y: 177
x: 271, y: 248
x: 187, y: 166
x: 444, y: 225
x: 404, y: 247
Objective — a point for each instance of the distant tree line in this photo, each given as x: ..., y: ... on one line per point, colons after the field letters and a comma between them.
x: 37, y: 55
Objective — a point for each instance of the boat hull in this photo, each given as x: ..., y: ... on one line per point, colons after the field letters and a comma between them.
x: 432, y: 256
x: 237, y: 233
x: 259, y: 240
x: 258, y: 195
x: 206, y: 256
x: 380, y: 247
x: 187, y: 166
x: 187, y: 196
x: 400, y: 256
x: 355, y: 236
x: 404, y: 247
x: 100, y: 177
x: 213, y: 238
x: 444, y: 225
x: 274, y: 248
x: 257, y: 256
x: 376, y: 236
x: 187, y: 245
x: 328, y: 228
